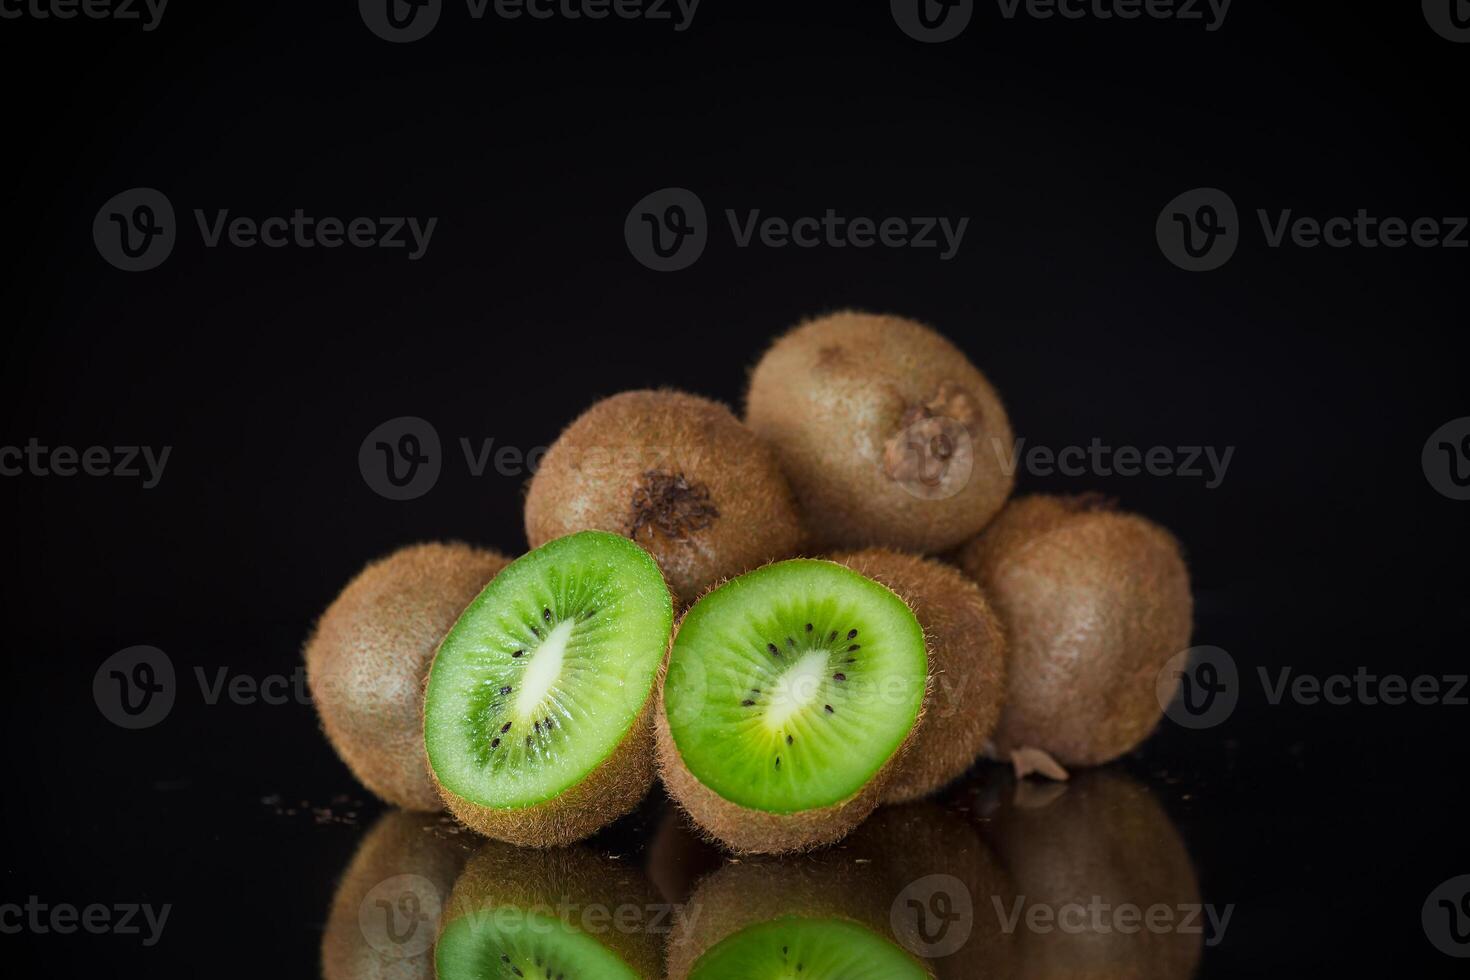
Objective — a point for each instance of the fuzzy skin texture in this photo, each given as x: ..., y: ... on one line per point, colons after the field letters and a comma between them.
x: 889, y: 435
x: 1094, y: 603
x: 569, y: 883
x: 367, y: 661
x: 967, y: 667
x: 1101, y: 837
x: 678, y: 474
x: 606, y: 793
x: 400, y: 843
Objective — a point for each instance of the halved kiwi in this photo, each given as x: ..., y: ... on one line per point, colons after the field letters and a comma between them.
x: 542, y: 915
x: 814, y: 949
x: 538, y: 707
x: 790, y: 693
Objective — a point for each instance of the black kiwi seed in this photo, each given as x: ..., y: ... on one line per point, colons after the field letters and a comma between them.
x: 790, y: 642
x: 778, y: 762
x: 808, y: 627
x: 505, y: 728
x: 505, y: 689
x: 832, y: 637
x: 519, y: 653
x: 854, y: 648
x: 747, y: 703
x: 839, y: 677
x: 775, y: 651
x: 852, y: 634
x: 504, y: 958
x: 546, y: 615
x: 788, y: 739
x: 495, y: 743
x: 829, y: 709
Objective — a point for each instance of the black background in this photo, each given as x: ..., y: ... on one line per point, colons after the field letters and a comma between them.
x: 1325, y: 547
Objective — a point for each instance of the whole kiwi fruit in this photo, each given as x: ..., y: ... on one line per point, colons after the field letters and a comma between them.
x: 1100, y: 839
x: 889, y: 435
x: 1094, y: 602
x: 678, y: 474
x: 408, y: 862
x: 967, y: 666
x: 367, y: 660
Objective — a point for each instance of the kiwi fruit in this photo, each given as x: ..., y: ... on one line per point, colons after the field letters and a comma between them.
x: 1100, y: 838
x: 543, y: 915
x: 539, y: 702
x: 889, y: 435
x: 790, y: 695
x: 367, y: 659
x: 967, y: 666
x: 850, y: 911
x: 386, y: 909
x: 1094, y: 602
x: 678, y: 474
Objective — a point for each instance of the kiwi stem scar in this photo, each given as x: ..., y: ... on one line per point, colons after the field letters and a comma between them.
x: 796, y: 688
x: 542, y: 672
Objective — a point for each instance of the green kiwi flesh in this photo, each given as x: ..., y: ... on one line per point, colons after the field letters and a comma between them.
x: 542, y: 689
x: 523, y: 944
x: 809, y: 949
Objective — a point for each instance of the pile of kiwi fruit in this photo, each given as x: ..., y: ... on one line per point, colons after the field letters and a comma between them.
x: 789, y: 619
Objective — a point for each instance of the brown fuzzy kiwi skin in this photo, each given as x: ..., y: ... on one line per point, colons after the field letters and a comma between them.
x: 967, y: 666
x: 742, y: 830
x: 565, y: 882
x: 680, y: 475
x: 1094, y: 601
x: 851, y: 402
x: 1100, y: 837
x: 400, y: 843
x: 369, y: 656
x: 609, y: 791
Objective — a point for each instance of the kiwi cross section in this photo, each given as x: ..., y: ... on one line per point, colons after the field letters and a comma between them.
x: 789, y: 688
x: 795, y: 946
x: 546, y: 671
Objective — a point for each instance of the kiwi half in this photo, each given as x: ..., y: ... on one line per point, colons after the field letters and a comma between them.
x: 967, y: 665
x: 791, y: 691
x: 678, y: 474
x: 543, y: 915
x: 888, y: 434
x: 397, y: 884
x: 1094, y: 602
x: 538, y: 706
x: 366, y: 662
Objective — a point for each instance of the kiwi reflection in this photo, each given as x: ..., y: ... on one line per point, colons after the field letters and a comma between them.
x: 565, y: 913
x: 1099, y: 842
x: 898, y: 899
x: 387, y: 906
